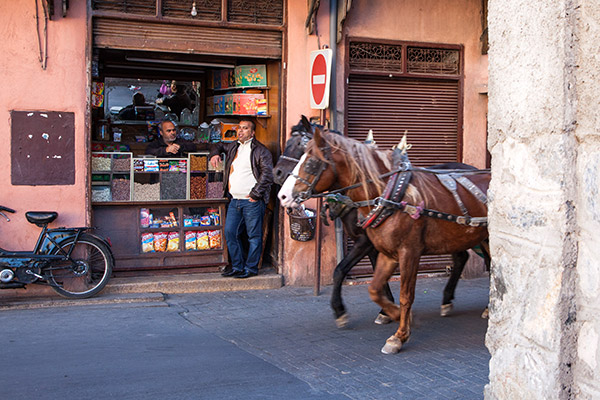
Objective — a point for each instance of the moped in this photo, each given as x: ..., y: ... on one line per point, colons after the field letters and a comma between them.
x: 72, y: 261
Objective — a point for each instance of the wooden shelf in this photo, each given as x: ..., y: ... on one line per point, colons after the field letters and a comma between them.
x: 240, y: 88
x: 238, y: 115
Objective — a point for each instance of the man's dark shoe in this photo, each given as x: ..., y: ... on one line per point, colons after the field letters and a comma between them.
x: 232, y: 272
x: 245, y: 275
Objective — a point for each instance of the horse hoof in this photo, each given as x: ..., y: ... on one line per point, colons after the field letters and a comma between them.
x: 342, y: 321
x: 446, y: 309
x: 392, y: 345
x: 382, y: 319
x: 485, y: 314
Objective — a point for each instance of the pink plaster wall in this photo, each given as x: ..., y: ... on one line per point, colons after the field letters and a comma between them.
x: 24, y: 86
x: 451, y: 22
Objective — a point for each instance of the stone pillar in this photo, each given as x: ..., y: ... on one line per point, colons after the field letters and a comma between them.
x: 544, y: 209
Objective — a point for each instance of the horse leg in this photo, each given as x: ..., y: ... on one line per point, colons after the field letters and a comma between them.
x: 408, y: 261
x: 362, y: 247
x: 459, y: 261
x: 382, y: 317
x: 383, y: 272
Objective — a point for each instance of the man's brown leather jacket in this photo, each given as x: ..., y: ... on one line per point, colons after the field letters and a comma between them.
x: 262, y: 166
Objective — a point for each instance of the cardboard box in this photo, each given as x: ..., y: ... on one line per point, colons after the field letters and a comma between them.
x: 228, y: 104
x: 210, y: 105
x: 219, y: 104
x: 227, y: 78
x: 229, y: 132
x: 215, y: 81
x: 245, y: 103
x: 251, y: 75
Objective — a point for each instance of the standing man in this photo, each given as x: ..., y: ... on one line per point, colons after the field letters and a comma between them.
x: 168, y: 144
x: 248, y: 178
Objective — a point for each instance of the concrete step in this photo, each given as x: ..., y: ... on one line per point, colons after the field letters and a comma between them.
x: 142, y: 289
x: 24, y: 303
x: 192, y: 283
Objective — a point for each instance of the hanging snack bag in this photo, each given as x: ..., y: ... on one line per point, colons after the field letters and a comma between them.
x: 147, y: 243
x: 190, y: 240
x: 214, y: 238
x: 160, y: 241
x: 173, y: 244
x: 202, y: 242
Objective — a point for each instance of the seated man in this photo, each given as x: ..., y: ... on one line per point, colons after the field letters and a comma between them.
x: 128, y: 112
x: 168, y: 144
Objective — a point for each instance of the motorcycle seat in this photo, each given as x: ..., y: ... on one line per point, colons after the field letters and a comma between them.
x: 41, y: 217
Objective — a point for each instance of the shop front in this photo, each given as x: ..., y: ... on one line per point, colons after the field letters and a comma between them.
x: 205, y: 69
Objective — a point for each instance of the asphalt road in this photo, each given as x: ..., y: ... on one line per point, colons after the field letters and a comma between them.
x: 270, y: 344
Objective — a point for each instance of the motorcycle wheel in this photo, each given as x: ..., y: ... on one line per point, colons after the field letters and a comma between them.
x: 87, y: 273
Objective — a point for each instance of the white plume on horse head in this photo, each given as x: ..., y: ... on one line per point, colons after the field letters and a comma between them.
x: 370, y: 140
x: 403, y: 145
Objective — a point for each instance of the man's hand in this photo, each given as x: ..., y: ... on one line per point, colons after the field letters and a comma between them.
x: 173, y: 148
x: 215, y: 161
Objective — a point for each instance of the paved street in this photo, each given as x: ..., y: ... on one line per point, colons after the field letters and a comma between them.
x: 268, y: 344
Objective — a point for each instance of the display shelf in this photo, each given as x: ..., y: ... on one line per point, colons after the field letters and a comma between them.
x: 241, y: 88
x: 118, y: 168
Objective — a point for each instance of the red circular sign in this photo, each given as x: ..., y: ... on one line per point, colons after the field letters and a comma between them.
x: 318, y: 77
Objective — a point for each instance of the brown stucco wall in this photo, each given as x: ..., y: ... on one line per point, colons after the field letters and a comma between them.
x: 456, y: 22
x: 25, y: 86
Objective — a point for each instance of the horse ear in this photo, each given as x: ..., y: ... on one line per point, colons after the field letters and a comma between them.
x: 307, y: 125
x: 318, y: 138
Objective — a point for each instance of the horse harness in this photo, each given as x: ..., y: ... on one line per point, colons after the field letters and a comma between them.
x: 391, y: 199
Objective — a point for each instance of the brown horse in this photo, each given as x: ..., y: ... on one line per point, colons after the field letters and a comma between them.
x: 334, y: 162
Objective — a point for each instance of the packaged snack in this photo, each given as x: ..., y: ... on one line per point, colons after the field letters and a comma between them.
x: 190, y: 240
x: 187, y: 220
x: 160, y: 241
x: 173, y: 219
x: 151, y: 165
x: 205, y: 220
x: 147, y: 243
x: 202, y: 242
x: 174, y: 165
x: 214, y: 216
x: 173, y: 244
x: 214, y: 238
x: 144, y: 217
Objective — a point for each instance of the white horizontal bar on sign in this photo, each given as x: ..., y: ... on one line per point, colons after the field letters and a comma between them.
x: 318, y: 79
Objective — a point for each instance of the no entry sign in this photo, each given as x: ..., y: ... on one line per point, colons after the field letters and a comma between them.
x: 320, y: 72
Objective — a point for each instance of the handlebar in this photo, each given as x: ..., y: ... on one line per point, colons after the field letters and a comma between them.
x: 10, y: 210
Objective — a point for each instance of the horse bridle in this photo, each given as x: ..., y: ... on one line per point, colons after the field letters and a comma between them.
x: 305, y: 138
x: 315, y: 167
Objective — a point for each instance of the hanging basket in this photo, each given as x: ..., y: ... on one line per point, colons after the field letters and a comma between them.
x: 302, y: 227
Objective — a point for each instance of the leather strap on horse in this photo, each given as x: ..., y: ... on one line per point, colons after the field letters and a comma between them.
x: 394, y: 191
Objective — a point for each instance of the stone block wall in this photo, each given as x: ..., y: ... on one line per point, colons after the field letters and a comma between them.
x: 544, y: 209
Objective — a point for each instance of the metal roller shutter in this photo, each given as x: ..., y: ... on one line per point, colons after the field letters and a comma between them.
x: 427, y: 109
x: 169, y: 37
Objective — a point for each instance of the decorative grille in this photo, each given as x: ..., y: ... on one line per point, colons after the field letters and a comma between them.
x: 433, y: 61
x: 376, y: 57
x: 145, y: 7
x: 268, y: 12
x: 206, y: 10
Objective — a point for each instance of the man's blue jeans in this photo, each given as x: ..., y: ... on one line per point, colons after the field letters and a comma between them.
x: 240, y: 213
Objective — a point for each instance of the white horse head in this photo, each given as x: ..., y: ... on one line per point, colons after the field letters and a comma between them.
x: 285, y: 196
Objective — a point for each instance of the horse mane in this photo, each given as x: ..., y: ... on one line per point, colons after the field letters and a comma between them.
x: 362, y: 159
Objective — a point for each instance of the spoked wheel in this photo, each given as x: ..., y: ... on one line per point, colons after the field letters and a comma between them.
x: 86, y: 273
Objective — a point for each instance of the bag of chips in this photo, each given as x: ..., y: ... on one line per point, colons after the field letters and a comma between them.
x: 173, y: 244
x: 147, y: 243
x: 202, y: 242
x: 214, y: 238
x: 160, y: 241
x: 190, y: 240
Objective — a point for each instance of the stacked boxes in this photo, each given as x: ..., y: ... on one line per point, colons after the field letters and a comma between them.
x: 251, y: 75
